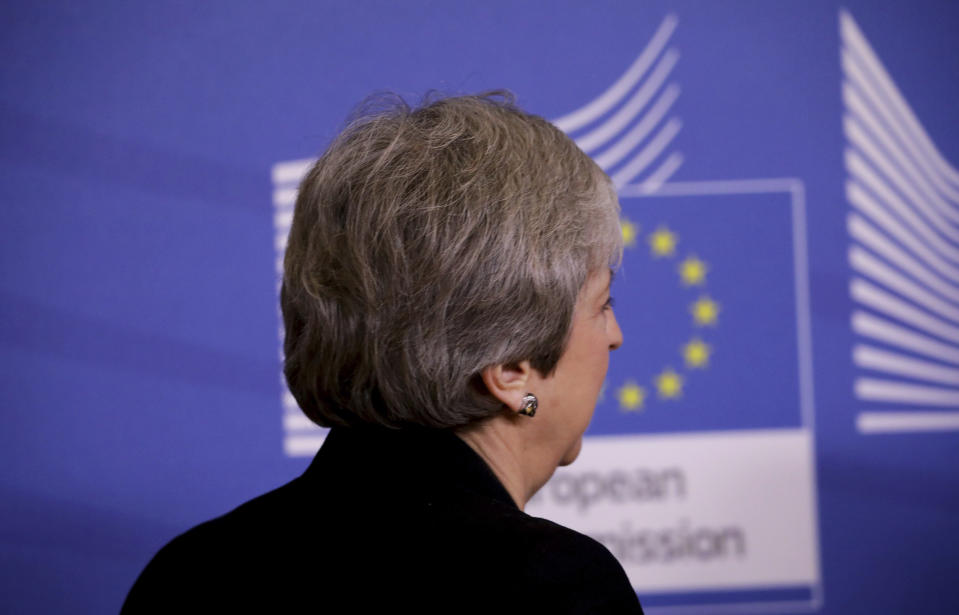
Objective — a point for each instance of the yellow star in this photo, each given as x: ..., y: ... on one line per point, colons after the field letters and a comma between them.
x: 692, y: 271
x: 696, y: 353
x: 705, y: 311
x: 662, y: 242
x: 669, y: 384
x: 631, y: 396
x: 630, y: 231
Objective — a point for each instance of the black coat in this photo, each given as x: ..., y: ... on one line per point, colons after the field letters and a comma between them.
x: 384, y: 520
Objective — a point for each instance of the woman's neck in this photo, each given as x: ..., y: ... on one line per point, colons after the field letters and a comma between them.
x: 501, y: 443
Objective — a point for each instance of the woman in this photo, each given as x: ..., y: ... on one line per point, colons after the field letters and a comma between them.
x: 447, y: 312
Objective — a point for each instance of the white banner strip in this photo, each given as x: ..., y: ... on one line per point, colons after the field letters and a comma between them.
x: 906, y: 421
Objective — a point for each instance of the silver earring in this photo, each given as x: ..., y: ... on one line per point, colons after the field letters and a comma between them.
x: 530, y: 404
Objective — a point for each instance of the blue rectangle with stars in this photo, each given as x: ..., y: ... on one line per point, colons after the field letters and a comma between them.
x: 706, y: 299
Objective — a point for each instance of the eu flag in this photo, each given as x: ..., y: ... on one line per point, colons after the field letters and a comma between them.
x: 709, y: 298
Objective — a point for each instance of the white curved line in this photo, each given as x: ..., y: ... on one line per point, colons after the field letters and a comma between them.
x: 861, y: 200
x: 860, y: 110
x: 298, y: 422
x: 291, y: 171
x: 867, y: 234
x: 857, y: 75
x: 867, y: 264
x: 618, y: 150
x: 302, y: 446
x: 858, y: 136
x: 649, y: 153
x: 854, y: 38
x: 877, y: 328
x: 608, y: 99
x: 285, y: 197
x: 881, y: 301
x: 283, y: 220
x: 608, y: 129
x: 655, y: 180
x: 876, y: 389
x: 861, y: 170
x: 787, y: 185
x: 893, y: 421
x: 870, y: 357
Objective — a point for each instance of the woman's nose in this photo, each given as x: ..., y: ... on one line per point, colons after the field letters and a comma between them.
x: 615, y: 333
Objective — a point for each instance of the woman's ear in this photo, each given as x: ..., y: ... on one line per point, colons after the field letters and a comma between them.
x: 508, y: 383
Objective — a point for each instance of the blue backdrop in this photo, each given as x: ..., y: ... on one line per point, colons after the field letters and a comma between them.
x: 143, y: 152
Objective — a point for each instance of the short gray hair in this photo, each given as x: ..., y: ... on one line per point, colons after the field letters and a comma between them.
x: 430, y: 243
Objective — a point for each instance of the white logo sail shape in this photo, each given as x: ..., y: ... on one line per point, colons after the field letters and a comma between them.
x: 904, y: 228
x: 301, y: 437
x: 632, y: 144
x: 907, y: 125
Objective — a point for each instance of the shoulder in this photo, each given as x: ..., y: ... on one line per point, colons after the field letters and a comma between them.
x: 537, y: 563
x: 576, y: 572
x: 207, y: 563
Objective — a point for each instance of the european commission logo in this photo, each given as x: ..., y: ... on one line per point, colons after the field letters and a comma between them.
x: 904, y: 253
x: 690, y: 309
x: 700, y: 469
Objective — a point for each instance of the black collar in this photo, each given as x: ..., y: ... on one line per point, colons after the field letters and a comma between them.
x: 430, y: 458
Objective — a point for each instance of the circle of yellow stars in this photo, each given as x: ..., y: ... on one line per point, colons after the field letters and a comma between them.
x: 704, y: 311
